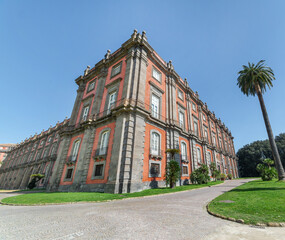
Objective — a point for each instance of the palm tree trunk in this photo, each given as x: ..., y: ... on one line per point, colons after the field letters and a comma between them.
x: 278, y: 164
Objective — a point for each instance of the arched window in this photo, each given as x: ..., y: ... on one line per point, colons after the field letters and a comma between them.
x: 199, y: 156
x: 155, y: 143
x: 75, y: 150
x: 209, y: 158
x: 104, y: 143
x: 183, y: 151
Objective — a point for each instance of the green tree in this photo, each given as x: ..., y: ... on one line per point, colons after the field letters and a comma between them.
x: 253, y: 79
x: 172, y: 173
x: 172, y: 170
x: 267, y: 172
x: 215, y: 173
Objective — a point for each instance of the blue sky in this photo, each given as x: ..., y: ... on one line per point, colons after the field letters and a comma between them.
x: 45, y: 45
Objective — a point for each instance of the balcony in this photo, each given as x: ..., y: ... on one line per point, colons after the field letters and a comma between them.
x: 100, y: 153
x: 155, y: 153
x: 71, y: 160
x: 184, y: 158
x: 156, y: 115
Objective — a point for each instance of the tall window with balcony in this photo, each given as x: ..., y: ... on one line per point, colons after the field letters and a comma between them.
x: 75, y: 150
x: 155, y: 102
x: 85, y: 113
x: 199, y: 156
x: 104, y: 143
x: 112, y: 100
x: 196, y: 132
x: 155, y: 144
x: 183, y: 151
x: 181, y: 119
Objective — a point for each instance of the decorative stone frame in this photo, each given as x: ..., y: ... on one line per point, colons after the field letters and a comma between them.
x: 156, y: 92
x: 93, y: 177
x: 73, y: 145
x: 111, y: 88
x: 89, y: 84
x: 149, y: 168
x: 155, y: 69
x: 201, y: 159
x: 112, y: 71
x: 159, y: 156
x: 182, y: 174
x: 181, y: 109
x: 182, y: 93
x: 86, y: 103
x: 195, y: 120
x: 103, y: 156
x: 194, y: 106
x: 187, y: 160
x: 66, y: 171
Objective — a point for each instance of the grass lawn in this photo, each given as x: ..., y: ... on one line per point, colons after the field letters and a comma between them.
x: 254, y: 202
x: 65, y: 197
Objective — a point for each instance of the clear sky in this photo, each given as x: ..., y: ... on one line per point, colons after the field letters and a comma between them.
x: 46, y: 45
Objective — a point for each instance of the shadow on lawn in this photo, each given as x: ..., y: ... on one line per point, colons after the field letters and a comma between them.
x: 257, y: 189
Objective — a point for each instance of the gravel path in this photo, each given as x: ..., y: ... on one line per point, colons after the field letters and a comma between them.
x: 173, y: 216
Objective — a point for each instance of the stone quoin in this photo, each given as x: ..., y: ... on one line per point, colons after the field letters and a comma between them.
x: 130, y: 107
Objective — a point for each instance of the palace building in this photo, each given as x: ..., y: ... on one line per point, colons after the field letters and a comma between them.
x: 130, y: 107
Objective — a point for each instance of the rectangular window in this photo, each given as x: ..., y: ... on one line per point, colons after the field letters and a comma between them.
x: 156, y: 74
x: 99, y: 170
x: 184, y: 170
x: 181, y: 119
x: 116, y: 69
x: 155, y: 169
x: 196, y: 129
x: 85, y: 113
x: 204, y: 117
x: 69, y: 173
x: 75, y: 151
x: 214, y: 140
x: 155, y: 102
x: 112, y: 100
x: 180, y: 94
x: 206, y: 133
x: 91, y: 86
x: 194, y: 107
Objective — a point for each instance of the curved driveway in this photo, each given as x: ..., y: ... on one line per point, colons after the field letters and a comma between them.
x: 172, y: 216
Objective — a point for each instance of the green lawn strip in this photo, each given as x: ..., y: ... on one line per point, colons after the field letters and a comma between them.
x: 254, y: 202
x: 67, y: 197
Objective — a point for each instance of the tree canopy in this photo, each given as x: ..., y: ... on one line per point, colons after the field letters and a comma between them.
x: 252, y: 154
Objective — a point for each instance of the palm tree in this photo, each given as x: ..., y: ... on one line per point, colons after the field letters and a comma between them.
x: 253, y: 79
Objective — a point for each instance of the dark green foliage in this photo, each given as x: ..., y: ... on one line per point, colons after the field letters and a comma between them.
x: 252, y: 154
x: 223, y: 176
x: 172, y: 173
x: 230, y: 176
x: 267, y: 172
x: 215, y: 174
x: 35, y: 179
x: 200, y: 175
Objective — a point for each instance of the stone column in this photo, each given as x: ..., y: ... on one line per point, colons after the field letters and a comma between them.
x: 118, y: 155
x: 76, y: 106
x: 83, y: 161
x: 59, y: 164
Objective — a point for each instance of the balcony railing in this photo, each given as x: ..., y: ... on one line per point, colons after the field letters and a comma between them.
x: 156, y: 153
x: 184, y: 158
x: 100, y: 153
x: 71, y: 159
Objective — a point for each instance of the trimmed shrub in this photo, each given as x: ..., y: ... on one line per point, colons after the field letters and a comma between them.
x: 230, y: 176
x: 200, y: 175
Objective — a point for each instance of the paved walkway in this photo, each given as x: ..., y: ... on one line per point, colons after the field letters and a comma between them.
x: 173, y: 216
